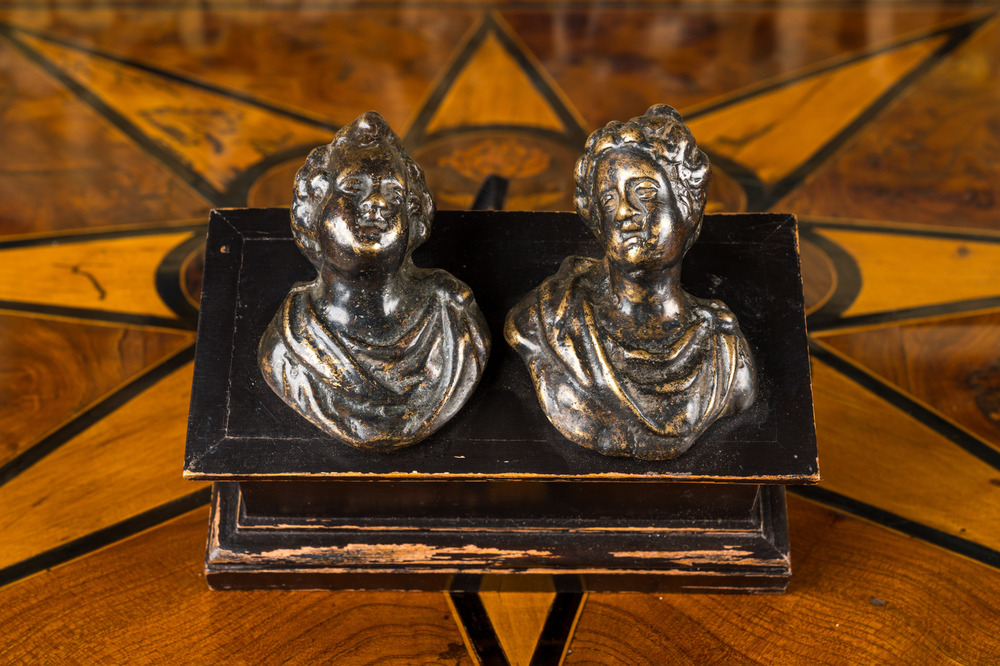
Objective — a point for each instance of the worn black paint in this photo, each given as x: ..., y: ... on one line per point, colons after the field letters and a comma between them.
x: 239, y: 428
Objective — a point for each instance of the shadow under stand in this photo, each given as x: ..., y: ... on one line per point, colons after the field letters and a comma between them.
x: 497, y: 489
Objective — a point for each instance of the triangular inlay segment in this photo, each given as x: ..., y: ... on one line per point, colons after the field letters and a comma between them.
x: 493, y: 89
x: 65, y: 167
x: 901, y: 271
x: 930, y: 158
x: 952, y: 363
x: 876, y: 453
x: 215, y: 136
x: 775, y: 132
x: 126, y: 463
x: 517, y: 613
x: 52, y: 369
x: 108, y: 274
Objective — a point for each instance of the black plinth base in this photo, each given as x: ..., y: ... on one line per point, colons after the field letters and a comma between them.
x: 497, y: 489
x: 644, y: 537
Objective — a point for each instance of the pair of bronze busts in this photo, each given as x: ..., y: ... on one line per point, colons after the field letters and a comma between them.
x: 380, y: 353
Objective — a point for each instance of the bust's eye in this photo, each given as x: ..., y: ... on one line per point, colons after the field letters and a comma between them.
x: 645, y: 193
x: 608, y: 200
x: 393, y: 194
x: 351, y: 185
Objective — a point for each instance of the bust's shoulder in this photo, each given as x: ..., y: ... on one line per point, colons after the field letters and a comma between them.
x: 444, y: 286
x: 717, y: 315
x: 575, y: 266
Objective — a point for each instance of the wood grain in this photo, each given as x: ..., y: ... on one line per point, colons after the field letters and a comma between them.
x: 952, y: 364
x: 510, y: 99
x: 330, y: 65
x: 115, y: 274
x: 63, y: 167
x: 517, y: 613
x: 860, y: 594
x: 900, y: 271
x: 875, y: 453
x: 622, y: 55
x: 216, y: 136
x: 125, y: 464
x: 931, y: 157
x: 50, y: 370
x: 777, y: 131
x: 145, y: 601
x: 819, y: 277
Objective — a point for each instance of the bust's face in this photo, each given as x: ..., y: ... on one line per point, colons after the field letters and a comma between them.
x: 641, y: 224
x: 363, y: 217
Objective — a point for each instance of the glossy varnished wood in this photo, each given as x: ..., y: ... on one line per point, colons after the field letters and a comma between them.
x: 857, y: 596
x: 51, y: 370
x: 849, y: 602
x: 125, y: 123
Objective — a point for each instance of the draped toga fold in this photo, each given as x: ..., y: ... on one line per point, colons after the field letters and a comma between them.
x: 648, y: 399
x: 378, y: 396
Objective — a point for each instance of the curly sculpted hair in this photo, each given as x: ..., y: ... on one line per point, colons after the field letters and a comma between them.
x: 662, y: 134
x: 314, y: 179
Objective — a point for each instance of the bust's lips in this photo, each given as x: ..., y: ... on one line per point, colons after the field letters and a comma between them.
x: 630, y: 238
x: 370, y: 224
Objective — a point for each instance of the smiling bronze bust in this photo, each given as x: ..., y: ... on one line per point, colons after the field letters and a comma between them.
x: 624, y: 361
x: 375, y: 351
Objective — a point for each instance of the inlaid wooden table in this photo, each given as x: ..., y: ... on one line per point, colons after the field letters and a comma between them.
x: 125, y: 123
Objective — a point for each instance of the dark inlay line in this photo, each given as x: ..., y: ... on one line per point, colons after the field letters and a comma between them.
x: 104, y: 537
x: 540, y: 132
x: 864, y: 54
x: 476, y: 622
x: 417, y: 132
x: 848, y: 277
x: 558, y: 628
x: 237, y: 95
x: 971, y: 444
x: 744, y: 176
x: 929, y: 232
x: 95, y: 413
x: 971, y: 305
x: 168, y: 278
x: 576, y: 133
x: 167, y: 158
x: 957, y: 35
x: 912, y: 528
x: 77, y: 236
x: 90, y: 314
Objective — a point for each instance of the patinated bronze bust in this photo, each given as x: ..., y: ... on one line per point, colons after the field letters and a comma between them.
x: 624, y: 361
x: 375, y: 351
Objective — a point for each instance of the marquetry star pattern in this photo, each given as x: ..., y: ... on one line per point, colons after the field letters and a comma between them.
x: 116, y: 156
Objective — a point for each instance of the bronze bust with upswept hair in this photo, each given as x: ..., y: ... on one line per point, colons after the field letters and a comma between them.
x: 624, y: 361
x: 375, y: 351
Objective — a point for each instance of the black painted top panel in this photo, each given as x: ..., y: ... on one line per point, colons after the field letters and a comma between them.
x: 240, y: 429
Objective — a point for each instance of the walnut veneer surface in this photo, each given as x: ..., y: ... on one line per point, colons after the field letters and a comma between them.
x: 124, y: 123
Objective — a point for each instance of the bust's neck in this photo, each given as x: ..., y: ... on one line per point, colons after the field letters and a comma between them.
x: 363, y: 302
x: 647, y: 298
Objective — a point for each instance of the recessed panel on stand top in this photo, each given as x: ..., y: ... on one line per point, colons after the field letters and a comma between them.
x: 240, y: 430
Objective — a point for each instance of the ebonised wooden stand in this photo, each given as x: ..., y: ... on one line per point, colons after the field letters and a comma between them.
x: 498, y: 489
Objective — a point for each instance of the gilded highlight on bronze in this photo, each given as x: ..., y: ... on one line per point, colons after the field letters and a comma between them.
x: 377, y: 352
x: 624, y: 361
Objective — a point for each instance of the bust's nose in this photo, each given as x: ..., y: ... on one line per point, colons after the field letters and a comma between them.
x: 626, y: 213
x: 374, y: 201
